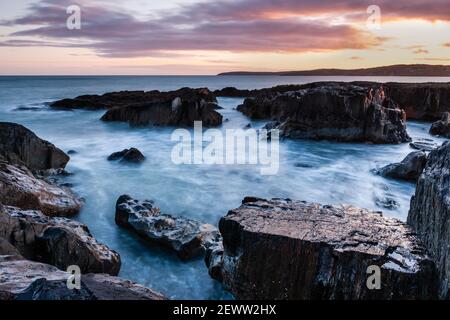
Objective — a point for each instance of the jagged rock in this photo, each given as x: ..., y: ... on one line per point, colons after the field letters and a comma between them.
x: 424, y: 145
x: 409, y: 169
x: 232, y: 92
x: 19, y: 188
x: 340, y: 112
x: 188, y: 238
x: 284, y: 249
x: 26, y: 280
x: 20, y: 146
x: 127, y: 155
x: 442, y: 127
x: 57, y: 241
x: 429, y: 215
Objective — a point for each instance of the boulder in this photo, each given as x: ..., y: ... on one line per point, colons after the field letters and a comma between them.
x: 232, y: 92
x: 442, y: 127
x: 424, y: 145
x: 284, y: 249
x: 56, y: 241
x: 188, y: 238
x: 26, y: 280
x: 409, y: 169
x: 19, y: 188
x: 429, y: 213
x: 341, y: 112
x: 127, y: 155
x: 18, y: 145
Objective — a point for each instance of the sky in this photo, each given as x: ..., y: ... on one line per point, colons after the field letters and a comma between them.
x: 200, y: 37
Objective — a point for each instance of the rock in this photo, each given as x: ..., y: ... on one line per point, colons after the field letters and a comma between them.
x: 424, y: 145
x: 57, y: 241
x: 442, y: 127
x: 409, y: 169
x: 127, y: 155
x: 20, y: 146
x: 284, y: 249
x: 70, y: 152
x: 386, y: 202
x: 248, y: 126
x: 26, y: 280
x: 7, y: 249
x: 232, y: 92
x: 421, y: 101
x: 188, y: 238
x: 174, y: 108
x: 19, y: 188
x: 341, y: 112
x: 429, y: 214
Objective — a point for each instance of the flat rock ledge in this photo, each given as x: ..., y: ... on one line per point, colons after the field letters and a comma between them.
x: 26, y: 280
x: 188, y: 238
x: 57, y: 241
x: 429, y: 213
x: 284, y: 249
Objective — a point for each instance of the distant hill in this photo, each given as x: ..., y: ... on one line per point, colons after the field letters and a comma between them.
x: 398, y: 70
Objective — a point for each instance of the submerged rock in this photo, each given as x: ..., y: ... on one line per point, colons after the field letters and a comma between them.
x: 442, y: 127
x: 424, y: 145
x: 20, y: 146
x: 57, y: 241
x: 429, y: 215
x: 284, y: 249
x: 127, y: 155
x: 342, y: 112
x: 19, y: 188
x: 26, y: 280
x: 188, y: 238
x: 409, y: 169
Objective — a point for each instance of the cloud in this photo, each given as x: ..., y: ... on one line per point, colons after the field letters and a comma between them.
x: 236, y: 26
x: 421, y: 51
x: 446, y: 44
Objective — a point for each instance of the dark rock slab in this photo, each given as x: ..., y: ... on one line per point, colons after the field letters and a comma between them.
x: 20, y: 146
x: 128, y: 155
x: 20, y: 188
x: 424, y: 145
x: 342, y: 112
x: 188, y: 238
x: 429, y: 215
x: 57, y: 241
x: 441, y: 127
x: 409, y: 169
x: 26, y: 280
x: 284, y: 249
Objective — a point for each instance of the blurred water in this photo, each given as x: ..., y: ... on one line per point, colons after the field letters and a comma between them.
x: 324, y: 172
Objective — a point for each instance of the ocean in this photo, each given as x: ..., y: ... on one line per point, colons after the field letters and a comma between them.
x: 318, y: 171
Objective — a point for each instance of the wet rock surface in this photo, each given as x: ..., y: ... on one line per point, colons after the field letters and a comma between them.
x: 132, y: 155
x: 284, y: 249
x: 57, y: 241
x: 342, y: 112
x: 20, y: 188
x: 442, y: 127
x: 20, y: 146
x: 188, y: 238
x: 424, y: 145
x: 26, y: 280
x: 409, y: 169
x: 429, y: 214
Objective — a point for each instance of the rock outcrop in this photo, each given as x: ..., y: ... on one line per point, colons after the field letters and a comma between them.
x: 188, y: 238
x: 138, y: 108
x: 20, y: 146
x: 424, y: 144
x: 342, y: 112
x: 442, y: 127
x: 56, y: 241
x: 20, y: 188
x: 26, y: 280
x: 284, y: 249
x: 127, y: 155
x: 429, y: 214
x: 409, y: 169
